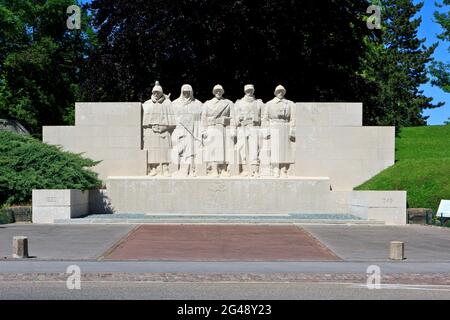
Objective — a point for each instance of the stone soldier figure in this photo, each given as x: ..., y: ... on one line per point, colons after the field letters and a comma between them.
x: 216, y: 121
x: 186, y: 137
x: 157, y: 122
x: 247, y: 119
x: 279, y: 118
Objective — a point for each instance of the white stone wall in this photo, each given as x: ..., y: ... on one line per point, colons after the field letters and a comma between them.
x: 48, y: 205
x: 252, y: 196
x: 214, y: 196
x: 388, y: 206
x: 220, y: 196
x: 319, y: 114
x: 110, y: 132
x: 331, y: 142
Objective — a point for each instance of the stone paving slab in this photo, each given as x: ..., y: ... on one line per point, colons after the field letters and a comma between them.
x: 220, y: 243
x: 68, y: 242
x: 370, y: 243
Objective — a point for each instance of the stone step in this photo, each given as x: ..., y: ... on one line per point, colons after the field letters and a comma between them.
x: 121, y: 218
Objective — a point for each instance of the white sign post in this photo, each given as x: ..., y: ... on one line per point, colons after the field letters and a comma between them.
x: 444, y: 209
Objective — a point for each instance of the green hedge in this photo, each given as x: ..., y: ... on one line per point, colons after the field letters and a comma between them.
x: 5, y: 218
x: 26, y: 163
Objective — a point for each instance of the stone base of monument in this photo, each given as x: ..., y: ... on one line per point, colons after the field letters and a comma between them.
x: 210, y: 200
x: 203, y: 195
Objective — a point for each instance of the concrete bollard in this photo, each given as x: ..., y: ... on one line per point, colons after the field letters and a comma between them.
x: 20, y: 247
x: 397, y: 250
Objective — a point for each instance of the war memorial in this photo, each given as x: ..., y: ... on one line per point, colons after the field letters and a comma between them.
x: 248, y: 157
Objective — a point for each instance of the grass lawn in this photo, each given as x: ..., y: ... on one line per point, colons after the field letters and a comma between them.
x: 422, y: 167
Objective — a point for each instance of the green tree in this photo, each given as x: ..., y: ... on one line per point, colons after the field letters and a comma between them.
x: 447, y: 122
x: 40, y: 61
x: 395, y: 66
x: 440, y: 70
x: 310, y: 47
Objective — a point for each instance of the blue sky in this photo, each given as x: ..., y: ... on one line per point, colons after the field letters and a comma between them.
x: 429, y: 30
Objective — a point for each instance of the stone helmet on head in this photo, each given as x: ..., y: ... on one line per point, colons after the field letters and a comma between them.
x: 157, y: 87
x: 279, y: 89
x: 218, y: 88
x: 186, y: 88
x: 249, y: 87
x: 187, y: 93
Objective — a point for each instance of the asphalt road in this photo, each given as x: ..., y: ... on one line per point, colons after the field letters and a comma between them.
x: 217, y: 291
x: 28, y: 267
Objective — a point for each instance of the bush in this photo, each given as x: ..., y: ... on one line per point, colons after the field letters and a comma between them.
x: 5, y: 217
x: 26, y: 164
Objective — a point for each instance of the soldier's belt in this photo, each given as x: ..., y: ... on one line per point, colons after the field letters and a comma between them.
x: 249, y: 123
x: 221, y: 121
x: 279, y: 120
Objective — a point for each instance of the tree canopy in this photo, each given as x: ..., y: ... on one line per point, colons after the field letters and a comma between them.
x: 312, y: 49
x: 395, y: 66
x: 320, y: 51
x: 441, y: 70
x: 40, y: 60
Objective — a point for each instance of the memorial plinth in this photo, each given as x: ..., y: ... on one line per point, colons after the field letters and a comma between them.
x: 204, y: 195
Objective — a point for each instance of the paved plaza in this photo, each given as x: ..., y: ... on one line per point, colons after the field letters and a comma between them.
x: 230, y: 242
x: 221, y: 243
x: 165, y: 261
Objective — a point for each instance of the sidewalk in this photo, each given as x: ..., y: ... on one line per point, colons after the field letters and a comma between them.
x: 349, y: 243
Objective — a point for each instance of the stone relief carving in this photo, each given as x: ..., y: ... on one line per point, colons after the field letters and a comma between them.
x: 157, y: 123
x: 186, y: 138
x: 217, y: 133
x: 248, y: 126
x: 279, y: 120
x: 248, y: 133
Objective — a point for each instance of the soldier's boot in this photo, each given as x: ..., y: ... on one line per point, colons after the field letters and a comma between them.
x: 243, y: 170
x: 284, y: 173
x: 276, y: 171
x: 255, y: 170
x: 184, y: 170
x: 192, y: 171
x: 151, y: 169
x: 224, y: 171
x: 214, y: 170
x: 165, y: 169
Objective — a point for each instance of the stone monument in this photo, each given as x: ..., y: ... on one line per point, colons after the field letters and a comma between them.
x: 246, y: 158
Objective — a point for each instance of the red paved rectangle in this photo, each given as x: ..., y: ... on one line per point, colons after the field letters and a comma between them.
x: 220, y: 243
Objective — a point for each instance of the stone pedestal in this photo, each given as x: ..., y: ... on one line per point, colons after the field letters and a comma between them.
x: 397, y: 250
x: 204, y: 195
x: 20, y: 247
